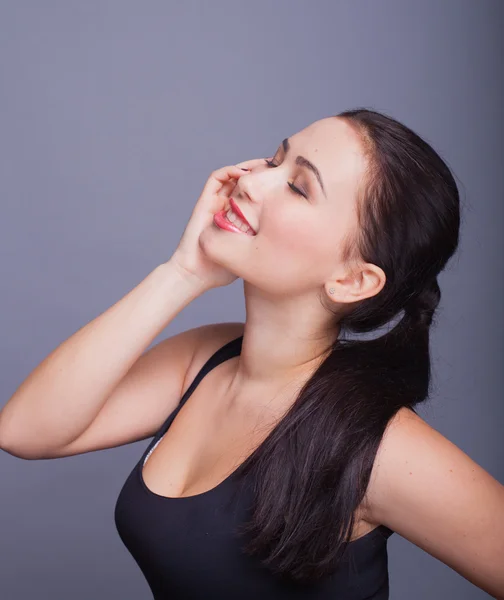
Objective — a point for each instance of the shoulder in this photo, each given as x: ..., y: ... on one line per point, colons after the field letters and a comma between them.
x: 210, y: 338
x: 428, y: 490
x: 408, y: 447
x: 215, y: 335
x: 393, y: 438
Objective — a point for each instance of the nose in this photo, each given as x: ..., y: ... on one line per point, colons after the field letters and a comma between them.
x: 245, y: 187
x: 258, y: 182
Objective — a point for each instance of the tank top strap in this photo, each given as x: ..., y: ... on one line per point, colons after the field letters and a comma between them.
x: 229, y: 350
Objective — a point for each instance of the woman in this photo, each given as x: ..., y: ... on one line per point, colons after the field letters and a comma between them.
x: 299, y: 451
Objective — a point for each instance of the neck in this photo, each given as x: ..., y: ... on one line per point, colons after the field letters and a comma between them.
x: 284, y: 341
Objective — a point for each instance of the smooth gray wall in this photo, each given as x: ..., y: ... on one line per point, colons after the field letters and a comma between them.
x: 112, y: 116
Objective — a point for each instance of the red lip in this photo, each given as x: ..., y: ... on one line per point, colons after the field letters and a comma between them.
x: 237, y: 210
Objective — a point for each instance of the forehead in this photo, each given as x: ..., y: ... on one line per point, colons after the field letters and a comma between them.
x: 335, y: 149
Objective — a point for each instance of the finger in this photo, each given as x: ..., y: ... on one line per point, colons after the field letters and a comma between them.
x: 227, y: 188
x: 225, y: 174
x: 229, y: 185
x: 220, y: 177
x: 250, y: 164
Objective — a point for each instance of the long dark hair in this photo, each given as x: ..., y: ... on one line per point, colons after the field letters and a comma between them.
x: 313, y: 469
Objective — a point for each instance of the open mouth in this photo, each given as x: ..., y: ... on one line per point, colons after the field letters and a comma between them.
x: 235, y: 220
x: 235, y: 215
x: 231, y: 217
x: 226, y: 219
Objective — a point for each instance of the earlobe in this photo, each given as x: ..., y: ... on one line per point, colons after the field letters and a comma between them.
x: 334, y: 291
x: 330, y: 288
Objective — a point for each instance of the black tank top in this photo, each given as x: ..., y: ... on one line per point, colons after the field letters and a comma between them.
x: 186, y: 547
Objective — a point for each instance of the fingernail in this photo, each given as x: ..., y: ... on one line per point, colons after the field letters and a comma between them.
x: 244, y: 169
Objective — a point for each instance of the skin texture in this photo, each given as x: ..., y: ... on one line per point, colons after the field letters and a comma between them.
x: 295, y: 258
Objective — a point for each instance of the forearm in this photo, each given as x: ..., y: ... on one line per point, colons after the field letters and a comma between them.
x: 62, y: 396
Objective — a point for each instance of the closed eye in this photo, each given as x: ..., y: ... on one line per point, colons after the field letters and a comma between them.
x: 295, y: 189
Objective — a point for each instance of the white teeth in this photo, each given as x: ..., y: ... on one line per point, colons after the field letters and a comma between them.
x: 231, y: 216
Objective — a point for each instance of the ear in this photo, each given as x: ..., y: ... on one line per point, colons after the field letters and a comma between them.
x: 363, y: 282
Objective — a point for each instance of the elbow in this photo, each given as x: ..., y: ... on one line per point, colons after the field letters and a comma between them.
x: 8, y: 444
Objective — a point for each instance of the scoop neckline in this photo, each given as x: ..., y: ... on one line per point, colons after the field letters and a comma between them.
x: 193, y: 497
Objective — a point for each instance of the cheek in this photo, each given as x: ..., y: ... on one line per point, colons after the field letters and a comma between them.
x: 287, y: 227
x: 298, y: 247
x: 295, y: 234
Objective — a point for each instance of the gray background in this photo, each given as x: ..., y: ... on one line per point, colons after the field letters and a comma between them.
x: 112, y: 116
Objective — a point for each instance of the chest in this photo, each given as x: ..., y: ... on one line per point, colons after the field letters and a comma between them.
x: 202, y: 446
x: 207, y: 438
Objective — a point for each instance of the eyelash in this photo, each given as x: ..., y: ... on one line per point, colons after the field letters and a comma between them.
x: 295, y: 189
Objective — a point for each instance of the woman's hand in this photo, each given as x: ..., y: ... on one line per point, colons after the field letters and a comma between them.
x: 188, y: 256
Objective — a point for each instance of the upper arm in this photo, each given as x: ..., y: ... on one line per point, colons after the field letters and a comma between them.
x: 148, y: 393
x: 433, y: 494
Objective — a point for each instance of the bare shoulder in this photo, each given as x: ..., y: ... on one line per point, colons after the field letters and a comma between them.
x: 404, y: 427
x: 211, y: 337
x: 221, y: 331
x: 215, y: 335
x: 401, y: 420
x: 433, y: 494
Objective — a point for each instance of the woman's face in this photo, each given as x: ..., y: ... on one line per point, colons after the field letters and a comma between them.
x: 301, y: 214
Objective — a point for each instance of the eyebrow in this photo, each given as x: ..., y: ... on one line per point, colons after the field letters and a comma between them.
x: 304, y: 162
